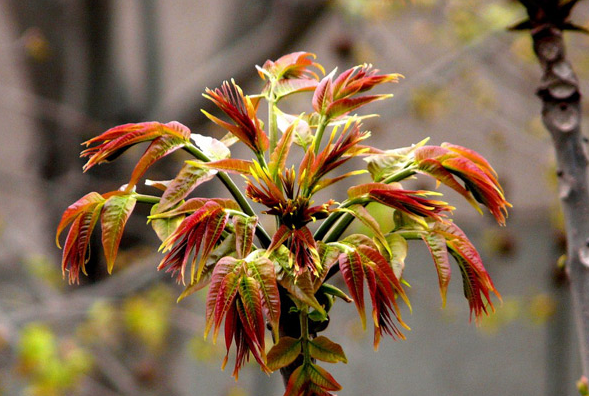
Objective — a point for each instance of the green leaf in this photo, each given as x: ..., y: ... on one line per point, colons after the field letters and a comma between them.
x: 330, y: 289
x: 115, y: 213
x: 245, y: 228
x: 186, y: 181
x: 398, y: 249
x: 284, y: 353
x: 322, y: 348
x: 164, y: 227
x: 366, y: 218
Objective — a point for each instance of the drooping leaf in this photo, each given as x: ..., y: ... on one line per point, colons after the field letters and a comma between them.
x: 189, y: 177
x: 225, y: 266
x: 322, y: 348
x: 297, y: 383
x: 115, y: 213
x: 194, y: 204
x: 215, y: 226
x: 398, y: 249
x: 262, y: 270
x: 284, y: 353
x: 83, y: 204
x: 226, y: 295
x: 351, y: 268
x: 77, y: 242
x: 436, y: 243
x: 252, y: 317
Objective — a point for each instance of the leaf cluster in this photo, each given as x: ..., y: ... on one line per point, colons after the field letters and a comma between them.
x: 220, y: 243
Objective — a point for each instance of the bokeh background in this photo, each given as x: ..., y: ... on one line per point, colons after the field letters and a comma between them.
x: 70, y: 69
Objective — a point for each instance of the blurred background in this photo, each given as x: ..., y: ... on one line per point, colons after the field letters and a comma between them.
x: 70, y: 69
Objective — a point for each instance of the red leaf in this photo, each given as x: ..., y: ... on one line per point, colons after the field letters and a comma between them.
x: 87, y: 202
x: 124, y: 136
x: 158, y: 149
x: 351, y: 267
x: 297, y: 383
x: 225, y: 297
x: 251, y: 316
x: 262, y: 270
x: 343, y: 106
x: 115, y: 213
x: 215, y: 226
x: 436, y: 243
x: 225, y: 266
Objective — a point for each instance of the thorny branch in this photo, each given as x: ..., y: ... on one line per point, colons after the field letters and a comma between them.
x: 561, y: 114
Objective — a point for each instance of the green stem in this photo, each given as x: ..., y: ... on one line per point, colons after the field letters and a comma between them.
x: 272, y: 123
x: 148, y: 199
x: 323, y: 122
x: 333, y: 217
x: 262, y: 235
x: 336, y: 231
x: 304, y: 318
